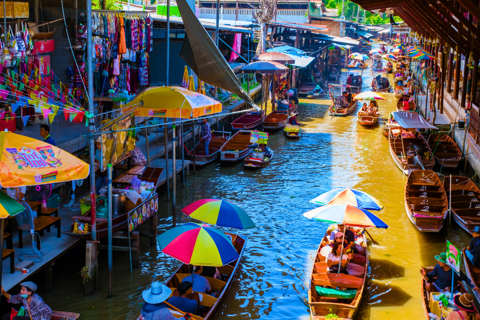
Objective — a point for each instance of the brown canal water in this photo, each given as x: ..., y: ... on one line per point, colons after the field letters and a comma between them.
x: 272, y: 280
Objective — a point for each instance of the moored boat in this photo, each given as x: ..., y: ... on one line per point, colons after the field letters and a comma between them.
x: 228, y: 273
x: 237, y: 148
x: 473, y: 273
x: 335, y: 294
x: 63, y: 315
x: 218, y: 140
x: 248, y: 121
x: 426, y: 202
x: 465, y: 197
x: 275, y: 121
x: 445, y: 150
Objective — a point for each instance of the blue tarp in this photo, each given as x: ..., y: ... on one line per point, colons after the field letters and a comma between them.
x: 301, y: 60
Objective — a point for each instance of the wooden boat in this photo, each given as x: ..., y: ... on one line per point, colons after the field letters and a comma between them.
x: 366, y: 119
x: 63, y: 315
x: 275, y: 121
x: 119, y: 223
x: 445, y: 150
x: 465, y: 203
x: 385, y: 88
x: 320, y: 306
x: 342, y: 112
x: 473, y: 273
x: 399, y: 148
x: 306, y: 87
x: 237, y: 148
x: 219, y: 138
x: 228, y: 273
x: 290, y: 133
x: 248, y: 121
x: 426, y: 202
x: 251, y: 162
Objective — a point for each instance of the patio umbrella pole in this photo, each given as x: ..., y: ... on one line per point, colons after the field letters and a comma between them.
x: 341, y: 252
x: 183, y: 155
x: 110, y: 273
x: 193, y: 138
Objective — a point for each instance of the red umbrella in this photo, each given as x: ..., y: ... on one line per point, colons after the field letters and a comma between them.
x: 276, y: 57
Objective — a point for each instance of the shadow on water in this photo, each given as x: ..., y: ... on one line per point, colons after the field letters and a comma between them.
x: 384, y: 269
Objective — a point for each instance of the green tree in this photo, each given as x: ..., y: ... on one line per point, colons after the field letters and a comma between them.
x: 111, y: 5
x: 351, y: 13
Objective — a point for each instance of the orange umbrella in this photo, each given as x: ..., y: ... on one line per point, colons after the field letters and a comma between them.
x: 28, y: 162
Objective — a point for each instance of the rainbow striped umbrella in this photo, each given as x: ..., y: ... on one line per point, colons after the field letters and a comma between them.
x: 353, y: 197
x: 219, y: 212
x: 376, y: 51
x: 412, y: 48
x: 396, y: 50
x: 401, y: 47
x: 353, y: 55
x: 198, y: 245
x: 8, y: 206
x: 368, y: 95
x: 346, y: 214
x: 389, y: 57
x: 423, y: 56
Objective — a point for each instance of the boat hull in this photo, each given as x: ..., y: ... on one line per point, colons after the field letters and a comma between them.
x: 405, y: 166
x: 447, y: 153
x: 256, y: 164
x: 367, y: 120
x: 473, y: 274
x: 236, y: 149
x: 292, y: 135
x: 248, y: 121
x: 275, y: 121
x: 343, y: 111
x: 218, y: 140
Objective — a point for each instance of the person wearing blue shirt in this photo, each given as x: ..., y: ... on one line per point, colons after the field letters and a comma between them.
x: 206, y: 135
x: 473, y: 249
x: 45, y: 133
x: 187, y: 301
x: 200, y: 283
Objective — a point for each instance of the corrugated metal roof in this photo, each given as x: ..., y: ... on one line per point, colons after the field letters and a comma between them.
x: 206, y: 24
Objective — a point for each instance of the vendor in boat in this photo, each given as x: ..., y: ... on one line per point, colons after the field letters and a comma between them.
x: 466, y: 308
x: 293, y: 120
x: 350, y: 79
x: 442, y: 276
x: 265, y: 149
x: 473, y: 250
x: 206, y: 134
x: 34, y: 306
x: 185, y: 299
x: 342, y: 100
x: 154, y: 307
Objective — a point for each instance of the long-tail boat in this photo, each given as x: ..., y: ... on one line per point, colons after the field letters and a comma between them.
x: 248, y: 121
x: 465, y: 201
x: 335, y: 293
x: 367, y: 119
x: 237, y: 148
x: 275, y: 121
x: 218, y: 140
x: 426, y: 202
x: 473, y: 273
x: 445, y: 150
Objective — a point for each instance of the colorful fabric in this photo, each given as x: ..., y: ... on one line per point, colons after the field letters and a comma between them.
x: 122, y: 45
x: 237, y: 46
x: 346, y: 214
x: 37, y: 307
x: 348, y: 196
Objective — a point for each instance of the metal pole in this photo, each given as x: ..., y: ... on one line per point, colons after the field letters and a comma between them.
x: 2, y: 222
x: 148, y: 150
x: 91, y: 127
x: 193, y: 137
x: 217, y: 26
x: 110, y: 274
x: 174, y: 172
x: 167, y: 66
x: 183, y: 155
x: 165, y: 135
x: 450, y: 203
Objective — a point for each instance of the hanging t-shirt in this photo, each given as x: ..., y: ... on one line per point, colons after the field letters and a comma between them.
x: 116, y: 67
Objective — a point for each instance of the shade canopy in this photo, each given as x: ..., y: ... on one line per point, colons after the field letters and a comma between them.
x: 346, y: 214
x: 173, y: 102
x: 9, y: 207
x: 287, y: 50
x: 348, y: 196
x: 411, y: 120
x: 219, y: 212
x: 26, y: 161
x: 390, y: 57
x: 376, y: 51
x: 265, y: 67
x: 276, y: 57
x: 198, y: 245
x: 369, y: 95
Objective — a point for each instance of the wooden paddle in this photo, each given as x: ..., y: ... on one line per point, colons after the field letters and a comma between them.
x: 373, y: 240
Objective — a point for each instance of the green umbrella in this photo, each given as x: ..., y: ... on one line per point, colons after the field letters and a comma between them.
x: 8, y: 206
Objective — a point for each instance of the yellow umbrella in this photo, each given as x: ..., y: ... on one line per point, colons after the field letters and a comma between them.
x: 26, y: 161
x: 185, y: 78
x: 173, y: 102
x: 201, y: 87
x: 191, y: 84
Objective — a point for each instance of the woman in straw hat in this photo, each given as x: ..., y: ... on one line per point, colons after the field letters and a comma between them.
x: 466, y: 307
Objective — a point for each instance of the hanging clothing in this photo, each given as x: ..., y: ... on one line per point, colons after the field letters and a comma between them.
x: 128, y: 33
x: 122, y: 46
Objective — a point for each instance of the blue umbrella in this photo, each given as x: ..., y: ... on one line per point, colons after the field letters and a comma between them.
x: 353, y: 197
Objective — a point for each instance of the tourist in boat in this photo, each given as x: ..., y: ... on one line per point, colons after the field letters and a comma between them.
x: 200, y: 283
x: 442, y: 276
x: 473, y: 249
x: 349, y: 96
x: 211, y: 272
x: 34, y: 306
x: 185, y: 299
x: 364, y: 107
x: 347, y: 267
x: 349, y: 79
x: 466, y: 307
x: 342, y: 100
x: 154, y: 307
x: 357, y: 64
x: 349, y: 235
x: 389, y: 65
x: 206, y: 134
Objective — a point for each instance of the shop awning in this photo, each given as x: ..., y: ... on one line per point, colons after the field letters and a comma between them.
x: 297, y: 26
x: 384, y: 31
x: 411, y: 120
x: 210, y: 25
x: 301, y: 60
x: 364, y: 34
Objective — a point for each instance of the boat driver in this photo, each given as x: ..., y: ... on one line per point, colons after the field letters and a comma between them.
x: 473, y: 249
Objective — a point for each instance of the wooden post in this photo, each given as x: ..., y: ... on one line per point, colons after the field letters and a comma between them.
x: 153, y: 230
x: 457, y: 76
x: 473, y: 95
x: 442, y: 81
x: 135, y: 249
x: 464, y: 85
x: 49, y: 276
x: 90, y: 269
x: 450, y: 69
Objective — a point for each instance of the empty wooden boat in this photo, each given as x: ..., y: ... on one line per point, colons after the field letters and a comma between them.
x: 248, y: 121
x: 218, y: 140
x: 426, y: 201
x: 473, y: 273
x: 410, y: 153
x: 209, y: 302
x: 366, y: 119
x: 63, y: 315
x: 275, y: 121
x: 237, y: 148
x: 252, y: 161
x: 335, y: 110
x: 445, y: 150
x: 465, y: 201
x: 344, y: 304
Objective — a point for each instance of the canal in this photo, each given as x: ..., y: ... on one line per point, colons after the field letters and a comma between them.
x: 272, y: 280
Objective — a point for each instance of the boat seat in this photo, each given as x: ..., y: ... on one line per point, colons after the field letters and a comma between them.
x: 431, y: 208
x: 464, y: 193
x: 425, y: 187
x: 446, y: 155
x: 431, y: 202
x: 217, y: 285
x: 337, y: 280
x: 425, y: 194
x: 429, y: 214
x: 473, y: 198
x: 207, y: 300
x: 320, y: 267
